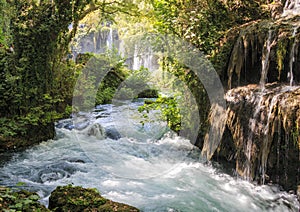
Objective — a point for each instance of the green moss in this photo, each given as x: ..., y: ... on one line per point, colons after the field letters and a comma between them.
x: 281, y: 54
x: 69, y: 198
x: 20, y: 201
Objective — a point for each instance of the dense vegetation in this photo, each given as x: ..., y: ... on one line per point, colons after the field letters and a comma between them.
x: 37, y: 78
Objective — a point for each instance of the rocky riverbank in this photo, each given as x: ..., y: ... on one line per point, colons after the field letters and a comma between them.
x: 63, y: 198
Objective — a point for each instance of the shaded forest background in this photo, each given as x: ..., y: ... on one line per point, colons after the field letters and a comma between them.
x: 37, y: 79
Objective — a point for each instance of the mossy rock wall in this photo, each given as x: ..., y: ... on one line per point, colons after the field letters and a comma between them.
x: 239, y: 60
x: 34, y: 135
x: 261, y: 137
x: 263, y: 141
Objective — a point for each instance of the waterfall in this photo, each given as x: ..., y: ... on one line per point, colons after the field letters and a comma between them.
x: 267, y: 140
x: 137, y: 62
x: 291, y: 8
x: 143, y: 57
x: 135, y: 50
x: 95, y: 41
x: 265, y: 60
x: 292, y: 57
x: 109, y: 41
x: 217, y: 118
x: 253, y: 124
x: 272, y: 119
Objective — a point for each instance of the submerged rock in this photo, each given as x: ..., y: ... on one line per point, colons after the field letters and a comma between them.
x: 96, y: 130
x: 112, y: 133
x: 69, y: 198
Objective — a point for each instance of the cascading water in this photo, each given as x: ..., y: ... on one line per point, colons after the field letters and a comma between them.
x: 257, y: 101
x: 266, y: 60
x: 137, y: 61
x: 107, y: 38
x: 263, y: 110
x: 272, y: 115
x: 292, y: 56
x: 146, y: 166
x: 109, y: 41
x: 142, y: 57
x: 291, y: 8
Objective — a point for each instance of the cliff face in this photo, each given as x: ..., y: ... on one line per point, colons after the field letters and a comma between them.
x: 262, y: 135
x: 265, y: 52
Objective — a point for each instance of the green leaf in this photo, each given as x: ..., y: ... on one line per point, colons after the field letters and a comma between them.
x: 20, y: 184
x: 34, y: 197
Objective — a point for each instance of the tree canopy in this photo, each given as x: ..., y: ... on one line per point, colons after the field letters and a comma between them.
x: 36, y: 77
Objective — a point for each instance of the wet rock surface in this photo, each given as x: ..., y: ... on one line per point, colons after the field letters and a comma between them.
x: 79, y: 199
x: 262, y: 133
x: 63, y: 198
x: 261, y: 75
x: 20, y: 201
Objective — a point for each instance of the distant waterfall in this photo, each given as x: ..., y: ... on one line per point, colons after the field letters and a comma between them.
x: 136, y: 52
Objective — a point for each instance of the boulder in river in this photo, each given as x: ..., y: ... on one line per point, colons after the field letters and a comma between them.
x: 69, y: 198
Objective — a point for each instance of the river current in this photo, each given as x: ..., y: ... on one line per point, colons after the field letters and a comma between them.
x: 135, y: 161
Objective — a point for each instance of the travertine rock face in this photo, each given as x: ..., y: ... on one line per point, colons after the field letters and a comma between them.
x: 262, y: 135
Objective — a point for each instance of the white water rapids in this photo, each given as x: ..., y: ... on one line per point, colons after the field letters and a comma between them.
x: 141, y: 165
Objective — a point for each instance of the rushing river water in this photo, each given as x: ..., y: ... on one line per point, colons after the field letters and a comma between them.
x: 143, y: 165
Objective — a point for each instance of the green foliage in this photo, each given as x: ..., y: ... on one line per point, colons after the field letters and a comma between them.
x: 203, y: 23
x: 199, y: 22
x: 36, y: 79
x: 105, y: 94
x: 135, y: 83
x: 5, y: 15
x: 169, y: 108
x: 19, y: 201
x: 98, y: 79
x: 10, y: 128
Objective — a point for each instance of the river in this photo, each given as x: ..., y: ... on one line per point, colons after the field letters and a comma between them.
x: 144, y: 165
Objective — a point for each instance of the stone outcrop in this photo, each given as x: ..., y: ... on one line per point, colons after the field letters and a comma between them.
x: 267, y: 45
x: 69, y: 198
x: 20, y: 201
x: 262, y: 133
x: 63, y: 198
x: 262, y: 136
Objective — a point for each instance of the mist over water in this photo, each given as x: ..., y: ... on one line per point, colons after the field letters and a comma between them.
x: 144, y: 165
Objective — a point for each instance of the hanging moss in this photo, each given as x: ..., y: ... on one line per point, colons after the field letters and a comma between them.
x: 281, y: 54
x: 264, y: 137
